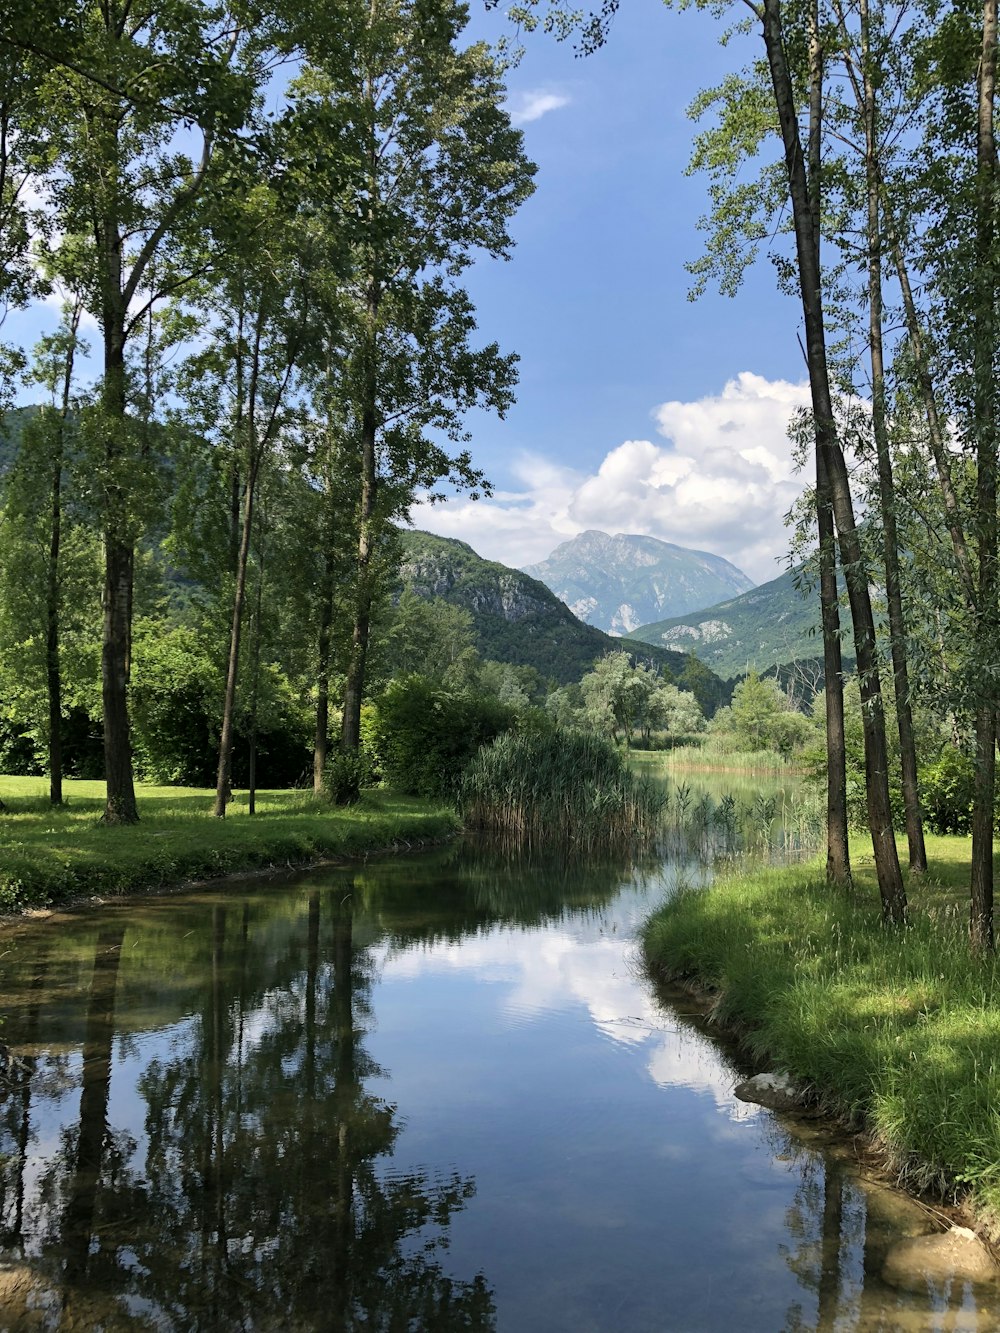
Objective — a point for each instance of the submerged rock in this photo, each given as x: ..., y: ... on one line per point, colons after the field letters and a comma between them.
x: 776, y: 1091
x: 921, y: 1260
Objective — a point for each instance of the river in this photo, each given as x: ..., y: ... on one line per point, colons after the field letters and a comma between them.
x: 428, y: 1093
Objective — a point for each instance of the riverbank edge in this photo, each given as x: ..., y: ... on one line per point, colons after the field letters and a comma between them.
x: 761, y: 1022
x: 281, y: 847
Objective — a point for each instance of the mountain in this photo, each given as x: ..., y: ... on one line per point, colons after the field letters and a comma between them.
x: 618, y: 583
x: 772, y: 624
x: 518, y: 619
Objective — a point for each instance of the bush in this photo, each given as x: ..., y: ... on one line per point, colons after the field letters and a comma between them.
x: 345, y: 773
x: 947, y: 788
x: 424, y: 735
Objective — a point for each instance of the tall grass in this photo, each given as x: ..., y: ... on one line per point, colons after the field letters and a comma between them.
x: 897, y: 1030
x: 569, y: 790
x: 717, y: 754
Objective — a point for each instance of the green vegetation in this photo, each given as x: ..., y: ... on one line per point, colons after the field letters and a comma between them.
x: 516, y: 618
x: 899, y: 1031
x: 774, y: 624
x: 422, y: 736
x: 547, y: 788
x: 50, y: 855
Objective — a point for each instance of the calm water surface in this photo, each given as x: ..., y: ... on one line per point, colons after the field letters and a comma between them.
x: 429, y: 1094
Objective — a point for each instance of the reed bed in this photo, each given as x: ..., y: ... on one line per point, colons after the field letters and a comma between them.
x: 783, y: 821
x: 568, y: 790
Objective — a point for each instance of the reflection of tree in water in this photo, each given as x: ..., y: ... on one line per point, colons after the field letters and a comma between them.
x: 469, y: 888
x: 840, y: 1226
x: 17, y: 1072
x: 266, y: 1198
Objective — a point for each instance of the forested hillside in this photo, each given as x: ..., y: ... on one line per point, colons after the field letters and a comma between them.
x: 773, y: 624
x: 517, y: 619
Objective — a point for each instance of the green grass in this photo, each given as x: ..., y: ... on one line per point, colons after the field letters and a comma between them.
x: 710, y: 758
x: 50, y: 855
x: 899, y: 1031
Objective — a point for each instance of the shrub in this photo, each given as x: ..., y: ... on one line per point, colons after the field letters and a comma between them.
x: 423, y: 735
x: 345, y: 773
x: 946, y: 792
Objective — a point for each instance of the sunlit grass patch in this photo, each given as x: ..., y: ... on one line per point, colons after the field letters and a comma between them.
x: 48, y: 855
x: 896, y: 1029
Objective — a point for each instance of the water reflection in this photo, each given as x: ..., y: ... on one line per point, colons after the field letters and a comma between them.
x: 431, y: 1094
x: 246, y: 1183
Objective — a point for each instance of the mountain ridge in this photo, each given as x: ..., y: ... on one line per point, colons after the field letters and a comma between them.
x: 771, y: 624
x: 619, y: 582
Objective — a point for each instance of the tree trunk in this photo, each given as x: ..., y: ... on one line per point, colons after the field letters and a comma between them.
x: 890, y: 542
x: 838, y: 856
x: 255, y: 687
x: 117, y: 598
x: 935, y: 428
x: 890, y: 880
x: 988, y: 622
x: 350, y: 735
x: 223, y: 792
x: 321, y: 743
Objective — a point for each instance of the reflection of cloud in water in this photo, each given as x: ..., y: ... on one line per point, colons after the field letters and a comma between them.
x: 685, y: 1058
x: 590, y: 969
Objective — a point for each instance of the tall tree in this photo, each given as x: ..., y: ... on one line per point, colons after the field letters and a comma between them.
x: 890, y: 881
x: 437, y: 171
x: 868, y: 58
x: 127, y: 92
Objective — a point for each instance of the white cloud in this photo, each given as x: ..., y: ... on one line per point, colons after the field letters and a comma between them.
x: 528, y: 106
x: 722, y: 482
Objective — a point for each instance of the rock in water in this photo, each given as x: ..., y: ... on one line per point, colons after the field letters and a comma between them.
x: 776, y: 1091
x: 915, y: 1263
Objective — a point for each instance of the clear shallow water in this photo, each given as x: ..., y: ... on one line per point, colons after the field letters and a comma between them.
x: 429, y: 1094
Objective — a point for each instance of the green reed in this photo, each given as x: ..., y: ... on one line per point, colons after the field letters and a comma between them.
x: 566, y: 789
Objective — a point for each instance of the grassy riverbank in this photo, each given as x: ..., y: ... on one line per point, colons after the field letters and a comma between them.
x: 899, y: 1031
x: 49, y: 856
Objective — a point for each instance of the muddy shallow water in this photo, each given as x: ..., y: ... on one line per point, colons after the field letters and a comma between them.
x: 430, y: 1093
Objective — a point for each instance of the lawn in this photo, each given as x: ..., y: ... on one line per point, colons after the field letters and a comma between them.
x: 49, y: 855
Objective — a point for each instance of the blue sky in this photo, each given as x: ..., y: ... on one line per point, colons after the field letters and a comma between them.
x: 595, y: 302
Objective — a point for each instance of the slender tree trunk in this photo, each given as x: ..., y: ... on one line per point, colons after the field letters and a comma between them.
x: 838, y: 856
x: 121, y: 805
x: 325, y: 632
x: 321, y: 743
x: 350, y: 736
x: 255, y: 686
x: 988, y: 621
x: 935, y: 427
x: 53, y: 670
x: 890, y: 541
x: 890, y: 880
x: 223, y: 791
